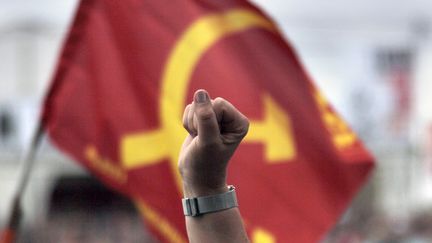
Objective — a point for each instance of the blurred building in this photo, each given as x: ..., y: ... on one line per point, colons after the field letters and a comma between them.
x: 371, y: 58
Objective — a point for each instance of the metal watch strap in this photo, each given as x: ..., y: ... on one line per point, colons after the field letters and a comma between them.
x: 207, y: 204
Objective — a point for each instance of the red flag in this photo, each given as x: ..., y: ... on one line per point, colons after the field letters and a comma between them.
x: 125, y: 75
x: 7, y: 236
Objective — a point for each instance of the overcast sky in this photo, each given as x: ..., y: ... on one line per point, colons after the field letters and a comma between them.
x: 302, y: 13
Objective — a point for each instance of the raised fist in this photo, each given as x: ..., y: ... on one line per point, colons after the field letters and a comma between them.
x: 215, y: 129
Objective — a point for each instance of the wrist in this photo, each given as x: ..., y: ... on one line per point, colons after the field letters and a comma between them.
x: 198, y: 190
x: 203, y: 184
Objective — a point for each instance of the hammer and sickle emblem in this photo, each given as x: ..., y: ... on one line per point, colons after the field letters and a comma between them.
x: 150, y: 147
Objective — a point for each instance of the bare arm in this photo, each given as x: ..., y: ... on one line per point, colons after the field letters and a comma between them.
x: 215, y: 130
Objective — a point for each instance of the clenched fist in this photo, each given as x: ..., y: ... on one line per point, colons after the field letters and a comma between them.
x: 215, y: 129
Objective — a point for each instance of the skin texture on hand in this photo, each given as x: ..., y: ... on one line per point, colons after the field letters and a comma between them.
x: 215, y: 128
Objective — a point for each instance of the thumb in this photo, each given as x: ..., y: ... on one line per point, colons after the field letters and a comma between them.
x: 207, y: 125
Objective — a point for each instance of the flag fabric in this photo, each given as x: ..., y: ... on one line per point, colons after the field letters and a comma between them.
x: 126, y: 72
x: 7, y: 236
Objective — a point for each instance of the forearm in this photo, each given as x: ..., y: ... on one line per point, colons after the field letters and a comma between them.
x: 221, y: 226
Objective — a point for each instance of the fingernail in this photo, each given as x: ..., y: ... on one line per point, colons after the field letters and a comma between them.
x: 201, y: 97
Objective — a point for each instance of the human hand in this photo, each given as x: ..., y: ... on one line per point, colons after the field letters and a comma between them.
x: 215, y: 129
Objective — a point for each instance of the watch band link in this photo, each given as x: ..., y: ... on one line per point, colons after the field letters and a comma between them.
x: 207, y: 204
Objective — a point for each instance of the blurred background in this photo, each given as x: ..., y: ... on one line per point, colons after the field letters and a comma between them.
x: 372, y: 59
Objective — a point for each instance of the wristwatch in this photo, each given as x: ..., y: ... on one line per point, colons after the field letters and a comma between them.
x: 208, y: 204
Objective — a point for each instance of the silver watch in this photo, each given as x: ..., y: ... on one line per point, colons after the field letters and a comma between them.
x: 207, y: 204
